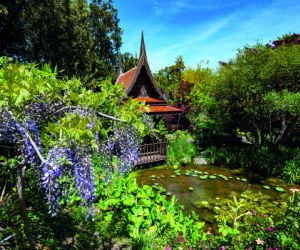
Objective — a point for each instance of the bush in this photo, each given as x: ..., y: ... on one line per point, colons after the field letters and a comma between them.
x: 181, y: 149
x: 291, y: 170
x: 145, y: 216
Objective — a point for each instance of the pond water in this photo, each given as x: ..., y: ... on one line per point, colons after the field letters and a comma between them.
x: 186, y: 184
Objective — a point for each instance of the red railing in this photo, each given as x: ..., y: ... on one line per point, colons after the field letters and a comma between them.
x: 153, y: 152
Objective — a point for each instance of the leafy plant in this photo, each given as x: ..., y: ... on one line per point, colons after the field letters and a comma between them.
x: 148, y: 217
x: 181, y: 149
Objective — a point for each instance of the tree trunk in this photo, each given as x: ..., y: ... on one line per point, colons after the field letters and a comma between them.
x: 20, y: 187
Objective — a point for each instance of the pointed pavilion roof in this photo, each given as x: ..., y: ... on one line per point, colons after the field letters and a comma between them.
x: 129, y: 79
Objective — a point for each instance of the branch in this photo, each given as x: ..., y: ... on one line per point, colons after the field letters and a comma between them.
x: 6, y: 239
x: 31, y: 141
x: 282, y: 131
x: 35, y: 148
x: 97, y: 112
x: 109, y: 117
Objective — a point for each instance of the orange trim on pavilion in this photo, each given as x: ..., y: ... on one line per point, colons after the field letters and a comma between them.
x: 165, y: 109
x: 149, y: 100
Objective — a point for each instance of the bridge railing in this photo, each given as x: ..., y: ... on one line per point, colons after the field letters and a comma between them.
x: 153, y: 152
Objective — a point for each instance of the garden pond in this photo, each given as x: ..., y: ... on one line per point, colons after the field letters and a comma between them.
x: 198, y: 188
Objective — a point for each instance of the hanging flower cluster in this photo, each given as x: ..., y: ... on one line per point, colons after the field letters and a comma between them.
x: 127, y: 143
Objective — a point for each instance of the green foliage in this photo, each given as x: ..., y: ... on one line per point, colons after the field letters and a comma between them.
x: 252, y: 220
x: 24, y: 85
x: 21, y: 84
x: 181, y: 149
x: 283, y: 162
x: 291, y: 169
x: 128, y: 61
x: 168, y: 79
x: 254, y: 97
x: 145, y: 215
x: 78, y: 36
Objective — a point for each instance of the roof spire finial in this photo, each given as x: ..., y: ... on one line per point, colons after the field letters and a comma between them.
x: 143, y: 48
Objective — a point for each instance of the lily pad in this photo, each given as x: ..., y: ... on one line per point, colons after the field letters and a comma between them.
x: 203, y: 177
x: 173, y: 176
x: 178, y: 174
x: 244, y: 179
x: 224, y: 178
x: 187, y: 174
x: 152, y: 176
x: 194, y: 175
x: 212, y: 177
x: 191, y: 188
x: 279, y: 189
x: 266, y: 187
x: 168, y: 193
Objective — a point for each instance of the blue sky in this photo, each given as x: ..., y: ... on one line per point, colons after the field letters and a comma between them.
x: 201, y: 30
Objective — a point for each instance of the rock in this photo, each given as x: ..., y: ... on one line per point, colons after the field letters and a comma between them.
x: 200, y: 161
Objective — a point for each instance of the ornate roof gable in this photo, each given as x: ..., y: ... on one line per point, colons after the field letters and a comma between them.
x: 129, y: 78
x: 140, y: 84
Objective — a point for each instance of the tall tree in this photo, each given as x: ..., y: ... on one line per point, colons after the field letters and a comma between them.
x: 80, y: 39
x: 170, y: 77
x: 12, y: 27
x: 128, y: 61
x: 59, y: 33
x: 256, y: 96
x: 107, y: 35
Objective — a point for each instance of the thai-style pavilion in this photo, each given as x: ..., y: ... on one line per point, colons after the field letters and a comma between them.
x: 139, y: 84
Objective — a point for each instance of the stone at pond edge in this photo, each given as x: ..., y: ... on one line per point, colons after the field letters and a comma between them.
x: 200, y: 161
